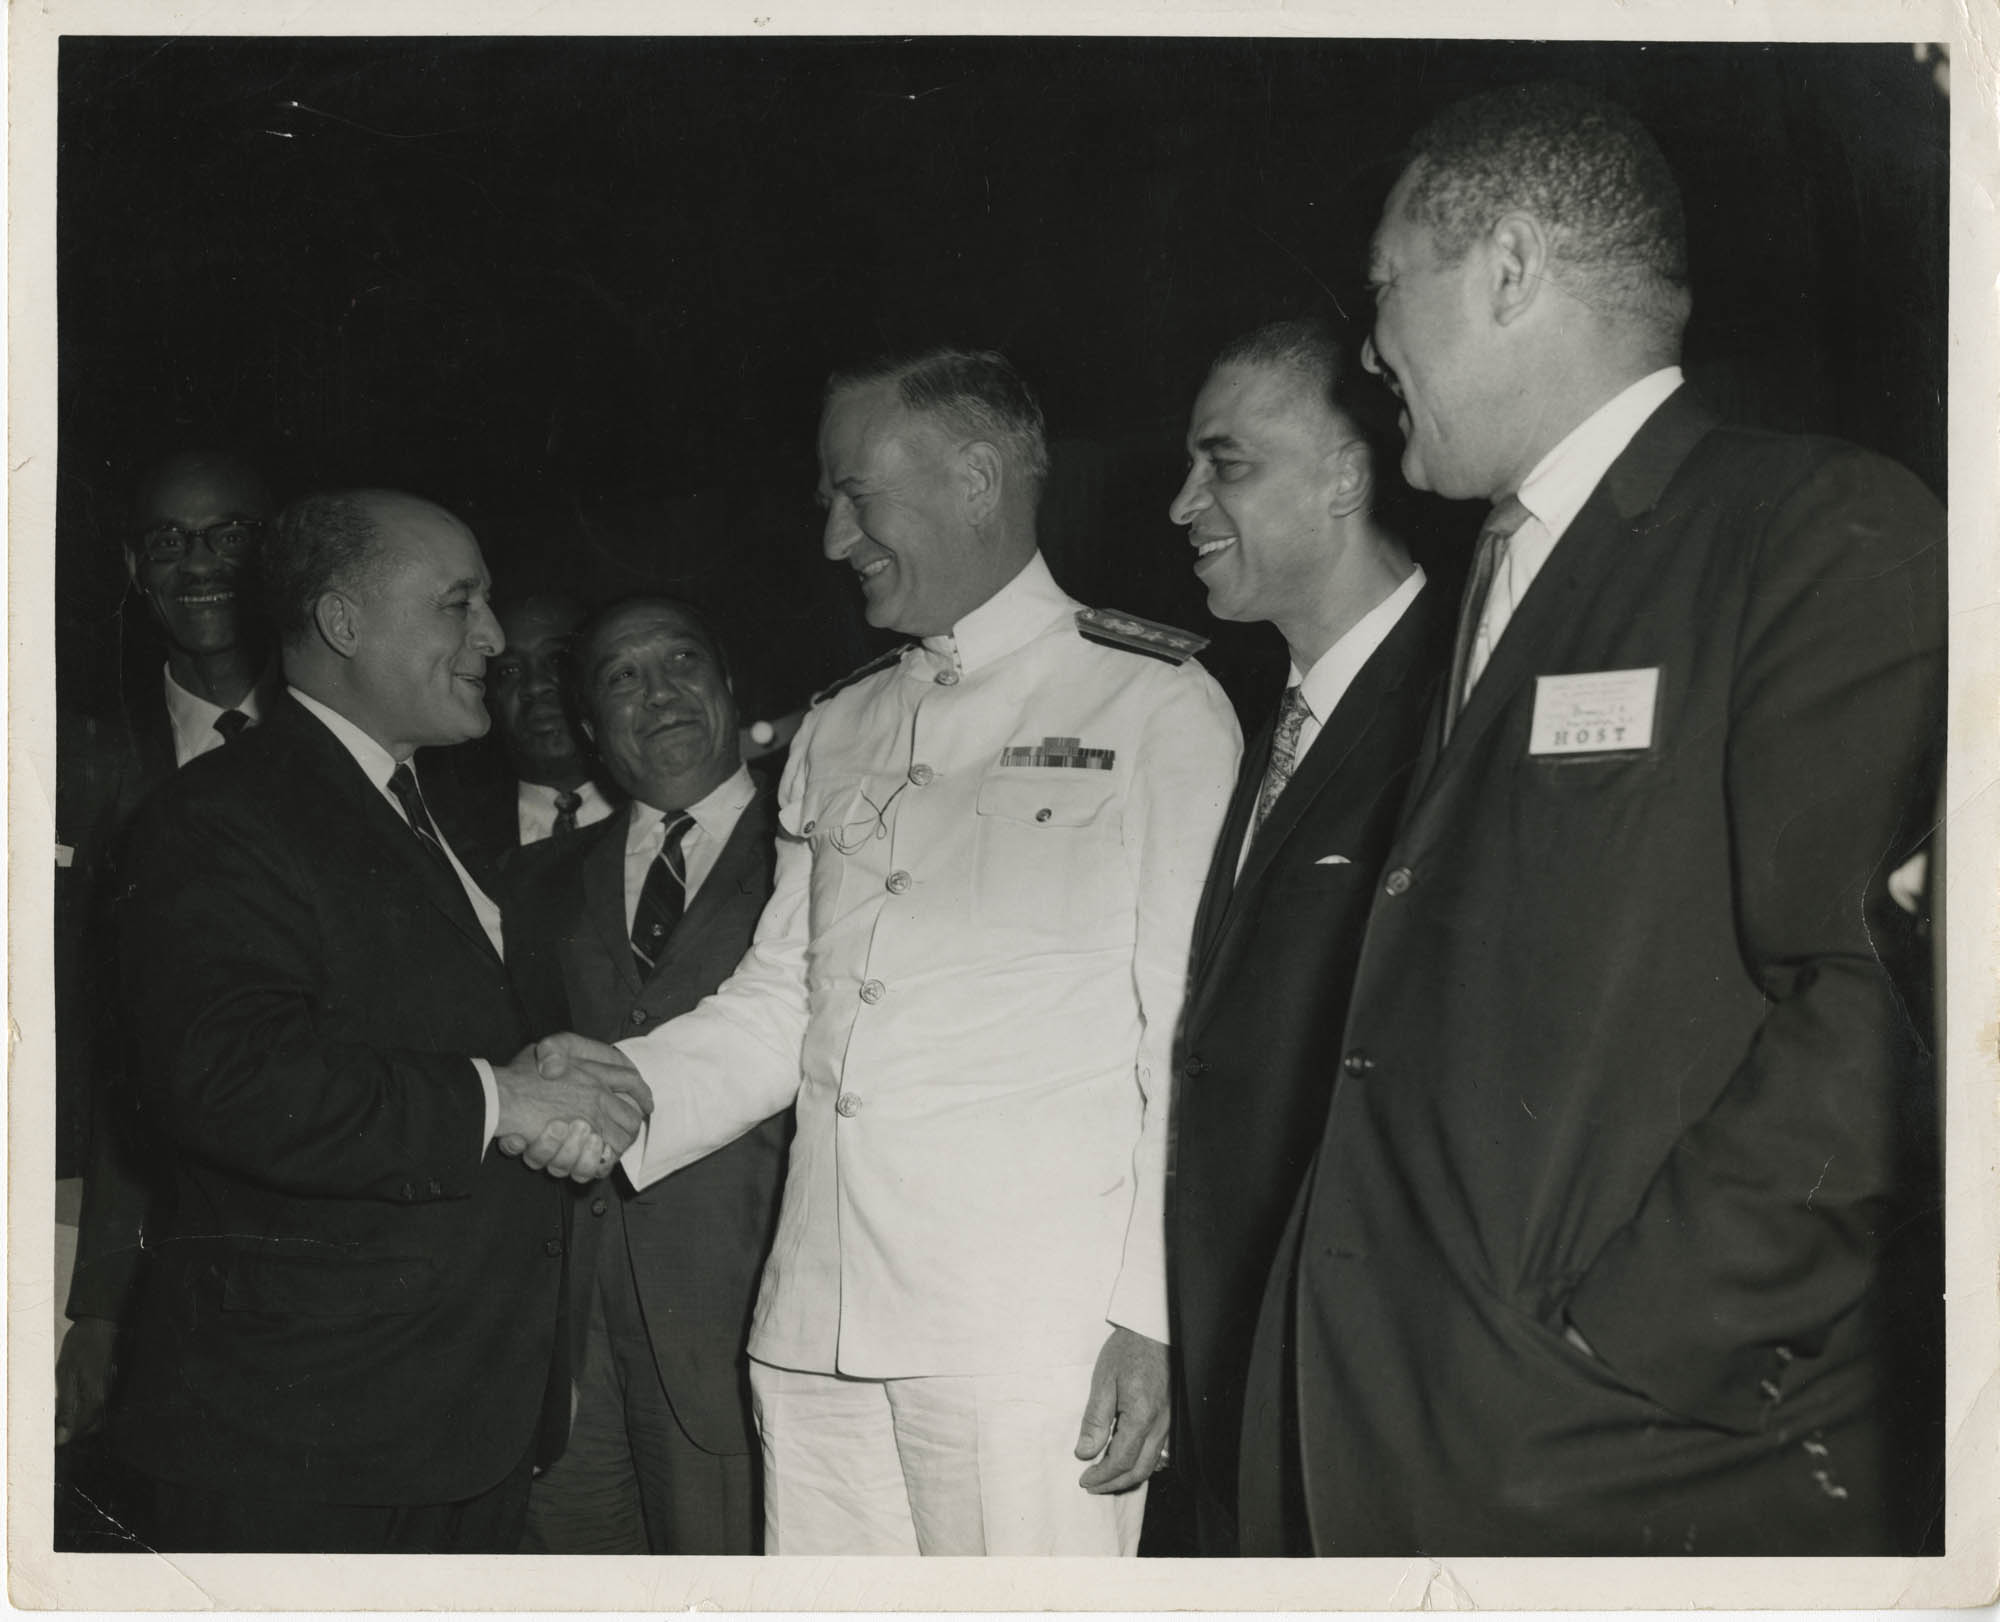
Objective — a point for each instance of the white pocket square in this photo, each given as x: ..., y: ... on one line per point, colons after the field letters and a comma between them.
x: 1331, y: 861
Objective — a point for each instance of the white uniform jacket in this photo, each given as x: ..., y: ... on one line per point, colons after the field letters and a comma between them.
x: 968, y: 975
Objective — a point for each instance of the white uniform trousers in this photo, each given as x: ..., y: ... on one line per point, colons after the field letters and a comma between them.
x: 933, y: 1464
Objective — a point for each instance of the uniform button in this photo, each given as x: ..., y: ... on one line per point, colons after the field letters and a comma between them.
x: 898, y: 882
x: 873, y: 991
x: 1357, y: 1063
x: 598, y: 1207
x: 847, y: 1105
x: 552, y: 1247
x: 808, y: 828
x: 1399, y: 882
x: 637, y: 1016
x: 947, y: 678
x: 921, y: 775
x: 1044, y: 814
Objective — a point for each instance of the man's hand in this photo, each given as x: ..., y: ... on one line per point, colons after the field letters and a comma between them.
x: 1125, y: 1420
x: 85, y: 1368
x: 570, y: 1106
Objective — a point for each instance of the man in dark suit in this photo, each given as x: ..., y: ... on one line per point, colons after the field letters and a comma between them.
x: 1286, y: 445
x: 662, y: 1456
x: 1593, y: 1256
x: 190, y: 545
x: 538, y: 783
x: 347, y: 1335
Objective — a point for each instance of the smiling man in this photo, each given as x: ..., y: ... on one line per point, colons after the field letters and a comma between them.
x: 1597, y: 1251
x: 990, y: 848
x: 1288, y: 446
x: 346, y: 1340
x: 614, y: 932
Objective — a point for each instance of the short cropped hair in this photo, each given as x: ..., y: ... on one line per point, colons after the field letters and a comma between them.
x: 974, y: 392
x: 1311, y: 349
x: 325, y: 541
x: 585, y: 636
x: 1581, y: 165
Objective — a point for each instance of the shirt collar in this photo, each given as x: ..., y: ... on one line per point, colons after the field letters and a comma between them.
x: 714, y: 813
x: 1333, y: 672
x: 1011, y: 618
x: 193, y: 718
x: 369, y: 755
x: 1561, y: 481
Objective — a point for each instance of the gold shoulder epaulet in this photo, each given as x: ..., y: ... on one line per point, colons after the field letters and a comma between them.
x: 1118, y: 630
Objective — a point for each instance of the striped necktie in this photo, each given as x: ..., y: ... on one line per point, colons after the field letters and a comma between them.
x: 1506, y: 517
x: 663, y: 897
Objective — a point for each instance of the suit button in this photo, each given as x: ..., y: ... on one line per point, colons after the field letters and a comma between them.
x: 598, y: 1207
x: 873, y: 991
x: 552, y: 1247
x: 1194, y: 1065
x: 1399, y: 882
x: 898, y: 882
x: 1357, y: 1063
x: 946, y: 678
x: 847, y: 1106
x: 409, y: 1192
x: 921, y: 775
x: 637, y: 1016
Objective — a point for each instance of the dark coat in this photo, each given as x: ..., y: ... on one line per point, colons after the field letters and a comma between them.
x: 355, y: 1301
x: 1622, y: 1052
x: 1259, y: 1043
x: 698, y: 1239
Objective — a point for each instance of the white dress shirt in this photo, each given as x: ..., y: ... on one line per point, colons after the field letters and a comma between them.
x: 715, y: 815
x: 535, y: 809
x: 1554, y: 493
x: 1333, y: 672
x: 193, y: 719
x: 989, y: 858
x: 379, y: 765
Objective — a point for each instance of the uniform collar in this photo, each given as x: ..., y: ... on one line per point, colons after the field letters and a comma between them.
x: 1011, y: 618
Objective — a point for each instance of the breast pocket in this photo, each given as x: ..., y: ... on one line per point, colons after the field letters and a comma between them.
x: 1049, y: 856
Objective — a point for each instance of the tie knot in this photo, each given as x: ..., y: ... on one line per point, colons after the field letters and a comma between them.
x: 1507, y: 516
x: 568, y: 801
x: 231, y: 722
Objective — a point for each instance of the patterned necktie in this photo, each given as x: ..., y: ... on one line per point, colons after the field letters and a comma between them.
x: 403, y: 784
x: 567, y: 801
x: 1284, y: 755
x: 1506, y: 517
x: 663, y: 897
x: 230, y: 723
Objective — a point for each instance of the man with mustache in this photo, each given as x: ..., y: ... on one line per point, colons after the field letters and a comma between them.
x: 990, y: 848
x: 612, y: 933
x: 346, y: 1339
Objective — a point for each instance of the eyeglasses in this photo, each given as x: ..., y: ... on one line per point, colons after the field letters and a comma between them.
x: 229, y: 539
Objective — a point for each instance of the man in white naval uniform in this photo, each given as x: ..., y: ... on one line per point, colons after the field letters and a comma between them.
x: 991, y: 847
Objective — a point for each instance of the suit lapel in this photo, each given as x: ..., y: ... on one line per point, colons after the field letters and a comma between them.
x: 1590, y: 549
x: 604, y: 897
x: 728, y: 876
x: 1221, y: 886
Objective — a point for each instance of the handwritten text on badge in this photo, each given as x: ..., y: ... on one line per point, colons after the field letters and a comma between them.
x: 1594, y: 712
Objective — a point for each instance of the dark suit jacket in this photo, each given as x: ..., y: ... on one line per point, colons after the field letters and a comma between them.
x: 355, y: 1301
x: 1624, y: 1053
x: 1259, y: 1044
x: 698, y: 1239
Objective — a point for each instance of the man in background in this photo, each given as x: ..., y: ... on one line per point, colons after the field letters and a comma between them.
x: 610, y: 934
x: 1289, y: 445
x: 1594, y: 1255
x: 346, y: 1337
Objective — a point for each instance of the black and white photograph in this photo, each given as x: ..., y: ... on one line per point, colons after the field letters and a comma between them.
x: 1167, y: 808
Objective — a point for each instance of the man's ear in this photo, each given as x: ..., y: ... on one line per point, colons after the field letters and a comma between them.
x: 1518, y: 252
x: 338, y: 621
x: 984, y: 473
x: 1353, y: 480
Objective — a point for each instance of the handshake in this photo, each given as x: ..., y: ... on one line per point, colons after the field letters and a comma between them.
x: 570, y: 1106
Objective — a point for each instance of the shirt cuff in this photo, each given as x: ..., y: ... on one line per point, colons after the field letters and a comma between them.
x: 492, y: 1090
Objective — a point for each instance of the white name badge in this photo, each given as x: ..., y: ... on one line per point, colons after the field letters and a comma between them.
x: 1594, y: 712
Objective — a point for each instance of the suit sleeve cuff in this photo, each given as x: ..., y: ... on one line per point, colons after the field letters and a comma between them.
x: 491, y: 1089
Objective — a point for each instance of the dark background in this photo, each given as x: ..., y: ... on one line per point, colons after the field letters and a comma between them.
x: 584, y: 292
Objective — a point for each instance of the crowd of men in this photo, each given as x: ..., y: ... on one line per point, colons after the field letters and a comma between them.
x: 1473, y: 1119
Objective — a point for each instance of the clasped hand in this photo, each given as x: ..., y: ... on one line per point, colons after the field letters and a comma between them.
x: 570, y: 1106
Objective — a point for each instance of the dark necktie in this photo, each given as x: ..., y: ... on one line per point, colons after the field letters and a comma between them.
x: 1284, y: 755
x: 230, y: 723
x: 662, y: 898
x: 1506, y: 517
x: 403, y: 784
x: 567, y: 801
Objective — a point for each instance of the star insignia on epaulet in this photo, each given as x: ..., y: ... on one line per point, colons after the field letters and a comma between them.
x: 1114, y: 629
x: 882, y: 661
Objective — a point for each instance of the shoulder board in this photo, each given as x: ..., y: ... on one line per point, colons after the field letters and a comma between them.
x: 882, y: 661
x: 1134, y: 635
